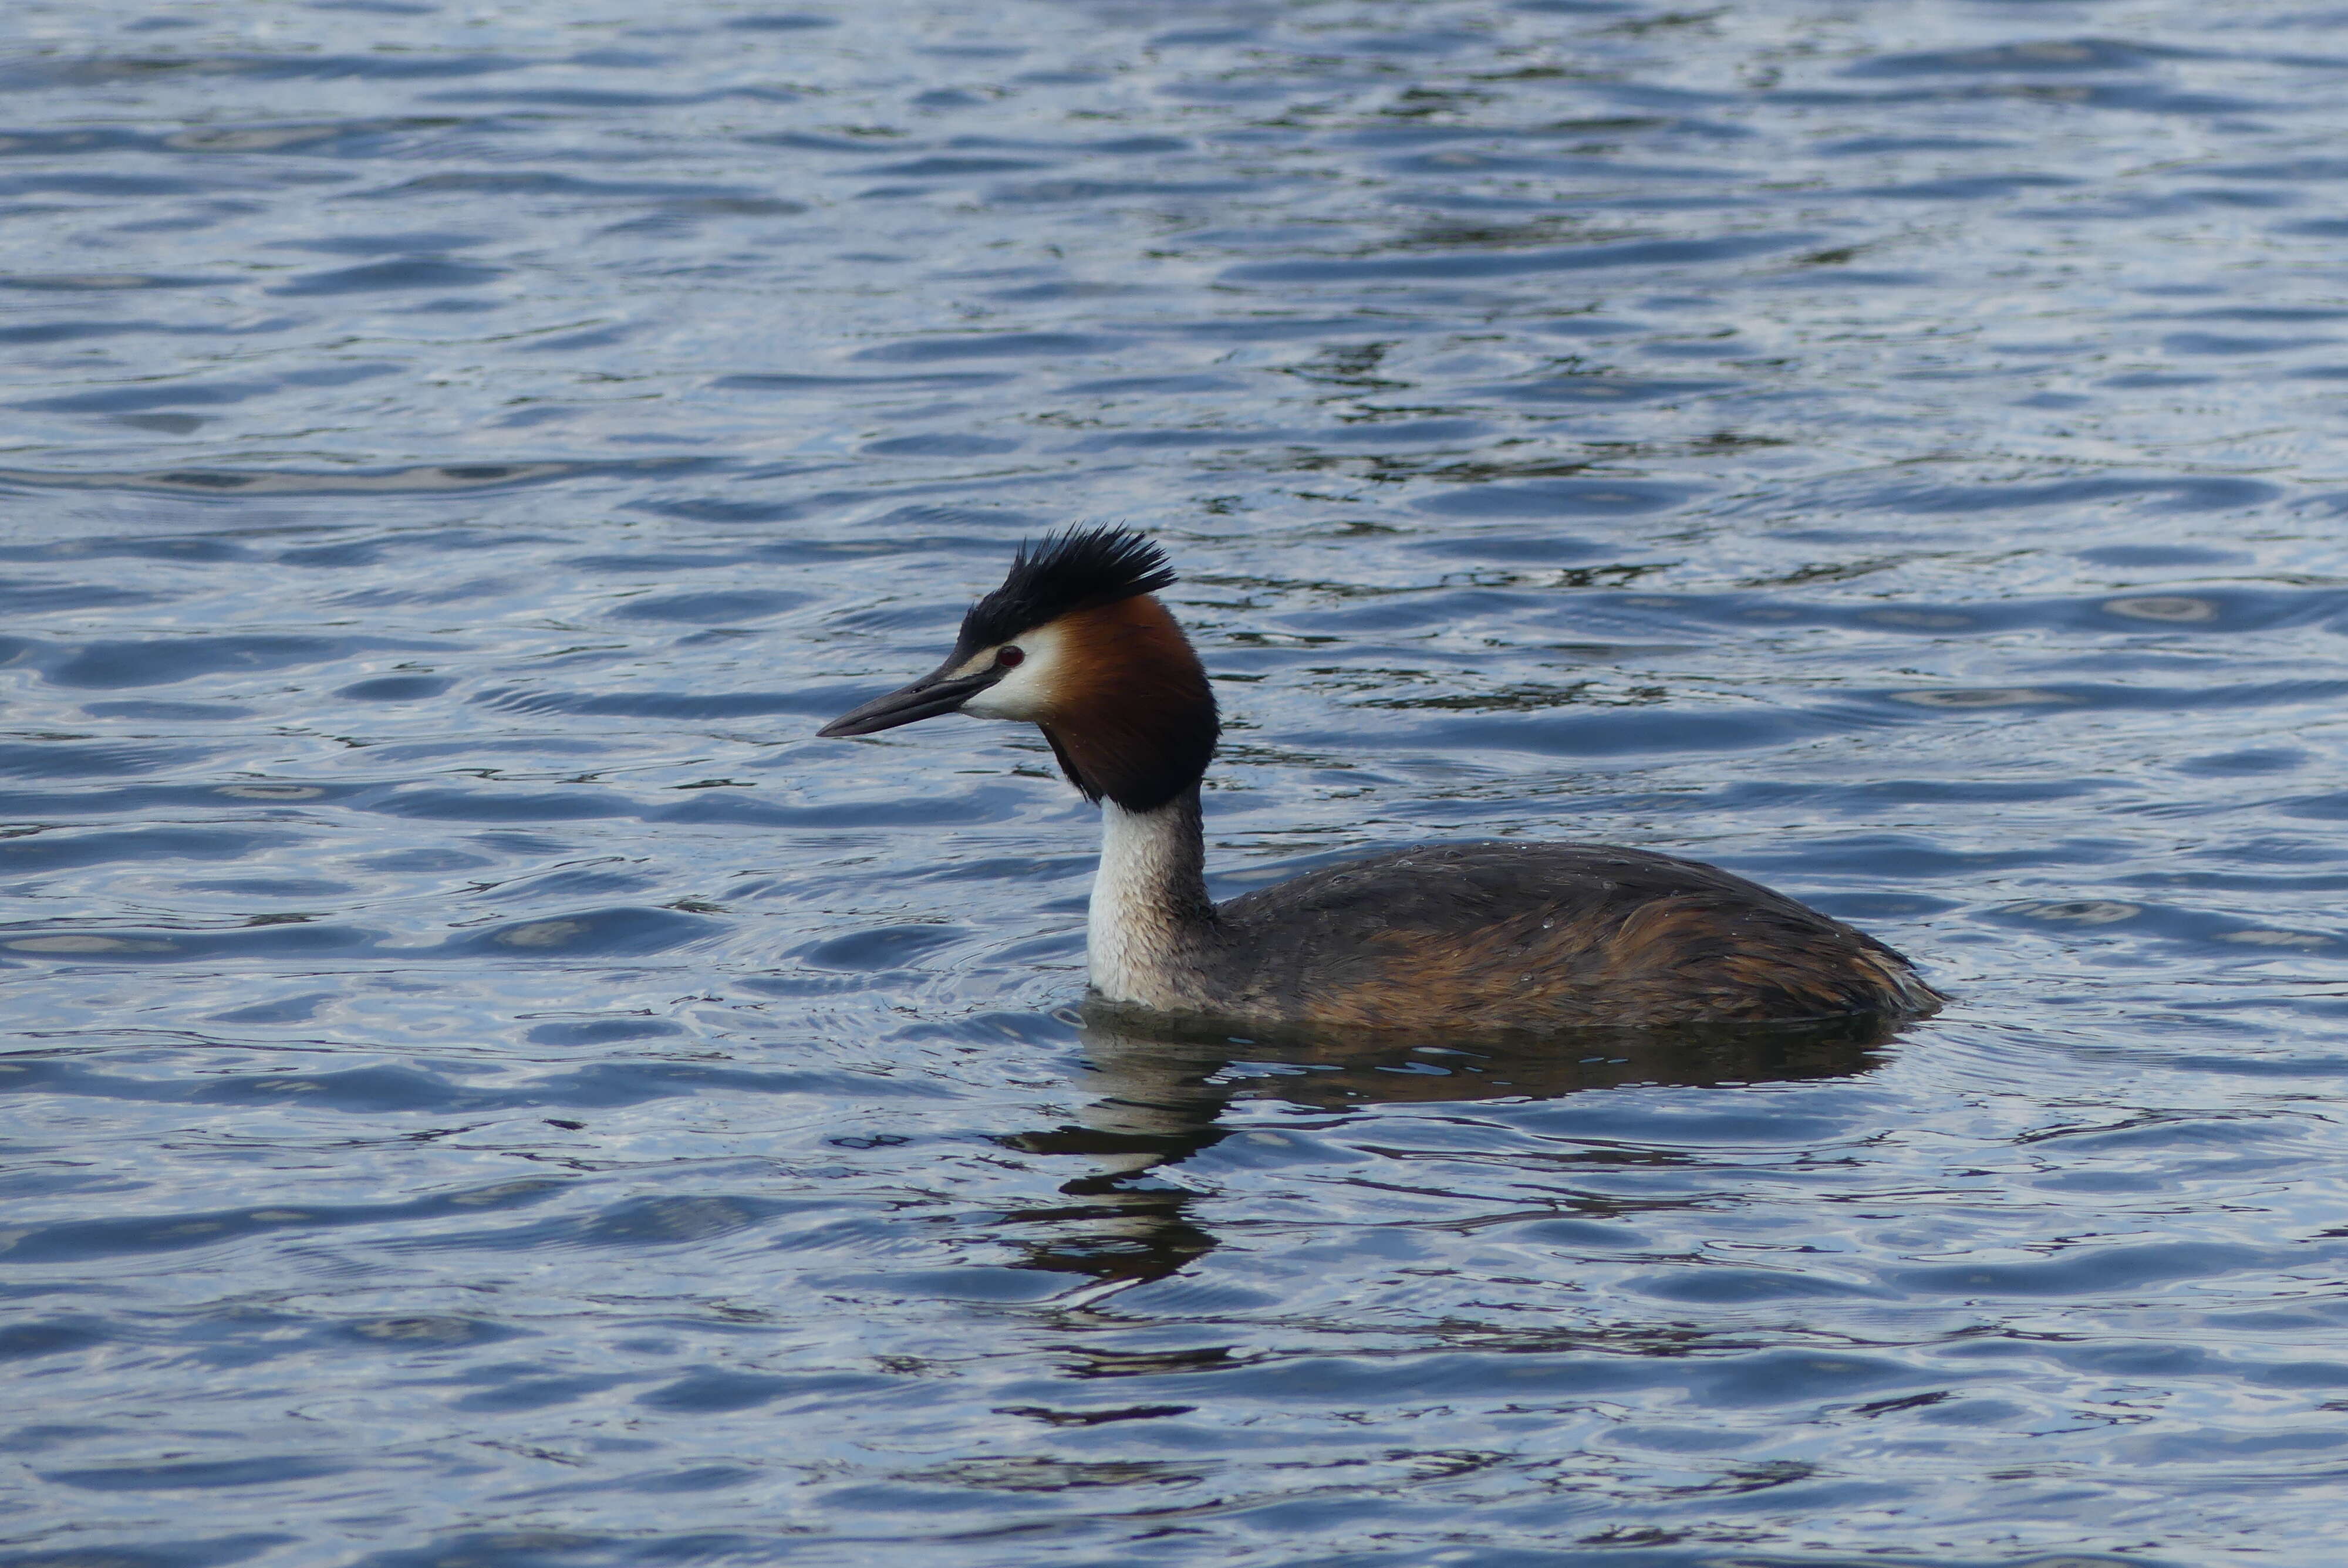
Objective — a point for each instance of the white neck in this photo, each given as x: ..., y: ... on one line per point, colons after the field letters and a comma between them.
x: 1149, y: 907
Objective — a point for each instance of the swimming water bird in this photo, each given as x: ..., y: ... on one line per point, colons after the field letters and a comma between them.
x: 1464, y: 938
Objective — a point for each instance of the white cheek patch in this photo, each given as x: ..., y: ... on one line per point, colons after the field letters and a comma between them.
x: 1026, y: 692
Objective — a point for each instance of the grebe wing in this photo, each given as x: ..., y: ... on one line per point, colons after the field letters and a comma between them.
x: 1460, y: 886
x: 1544, y: 934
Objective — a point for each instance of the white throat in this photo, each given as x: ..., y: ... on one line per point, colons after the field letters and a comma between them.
x: 1149, y: 901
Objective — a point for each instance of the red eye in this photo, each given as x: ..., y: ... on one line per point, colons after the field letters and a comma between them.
x: 1008, y: 657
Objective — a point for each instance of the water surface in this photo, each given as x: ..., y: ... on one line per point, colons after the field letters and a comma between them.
x: 487, y: 1086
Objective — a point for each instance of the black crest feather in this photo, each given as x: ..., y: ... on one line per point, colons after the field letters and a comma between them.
x: 1079, y: 570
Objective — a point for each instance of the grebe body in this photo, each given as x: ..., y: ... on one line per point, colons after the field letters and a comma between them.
x: 1461, y: 939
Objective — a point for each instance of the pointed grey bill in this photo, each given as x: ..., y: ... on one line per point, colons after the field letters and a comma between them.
x: 934, y: 693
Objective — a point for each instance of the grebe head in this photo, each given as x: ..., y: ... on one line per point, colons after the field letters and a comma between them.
x: 1076, y: 642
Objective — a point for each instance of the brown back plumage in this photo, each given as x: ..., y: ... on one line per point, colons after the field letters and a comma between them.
x: 1502, y: 938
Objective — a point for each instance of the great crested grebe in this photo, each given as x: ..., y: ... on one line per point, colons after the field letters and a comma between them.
x: 1474, y: 939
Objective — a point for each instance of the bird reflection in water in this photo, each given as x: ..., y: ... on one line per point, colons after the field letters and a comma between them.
x: 1161, y: 1088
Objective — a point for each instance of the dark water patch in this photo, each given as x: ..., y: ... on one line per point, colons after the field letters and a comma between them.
x: 2142, y: 96
x: 75, y: 183
x: 116, y: 400
x: 170, y: 660
x: 1160, y: 440
x: 2154, y: 379
x: 401, y: 1335
x: 941, y: 166
x: 1540, y: 549
x: 2083, y: 1269
x: 1724, y: 1286
x: 601, y: 1031
x: 526, y: 1393
x: 2327, y: 807
x: 260, y: 938
x: 103, y: 70
x: 1263, y: 325
x: 1474, y: 264
x: 1806, y: 1379
x: 911, y: 809
x: 1600, y: 390
x: 815, y: 384
x: 329, y: 139
x: 2232, y: 346
x: 19, y: 597
x: 1151, y: 385
x: 811, y: 141
x: 274, y: 886
x: 25, y: 1341
x: 625, y: 932
x: 168, y: 712
x: 1403, y: 432
x: 656, y: 564
x: 35, y: 332
x: 1554, y: 498
x: 572, y: 883
x: 2164, y: 555
x: 710, y: 609
x: 2059, y: 55
x: 2291, y: 171
x: 405, y: 272
x: 602, y: 98
x: 395, y: 689
x: 2266, y: 313
x: 2189, y: 610
x: 1072, y: 192
x: 1460, y: 163
x: 664, y: 704
x: 39, y: 143
x: 373, y: 1091
x: 410, y: 242
x: 651, y: 1222
x: 273, y: 1469
x: 724, y: 509
x: 781, y: 22
x: 1622, y: 733
x: 2251, y: 762
x: 2146, y: 698
x: 940, y: 445
x: 1395, y: 1380
x: 206, y: 1553
x: 1869, y: 145
x: 181, y: 1231
x: 714, y: 1389
x: 428, y: 479
x: 2224, y: 937
x: 993, y: 345
x: 61, y: 849
x: 241, y: 797
x: 69, y: 759
x: 104, y: 282
x: 509, y: 805
x: 151, y: 546
x: 2163, y: 494
x: 887, y: 948
x: 501, y: 184
x: 1969, y: 188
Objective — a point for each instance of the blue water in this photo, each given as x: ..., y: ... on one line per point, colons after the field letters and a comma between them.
x: 487, y: 1087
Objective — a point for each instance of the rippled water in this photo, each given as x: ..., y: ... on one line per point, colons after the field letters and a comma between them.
x: 487, y: 1087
